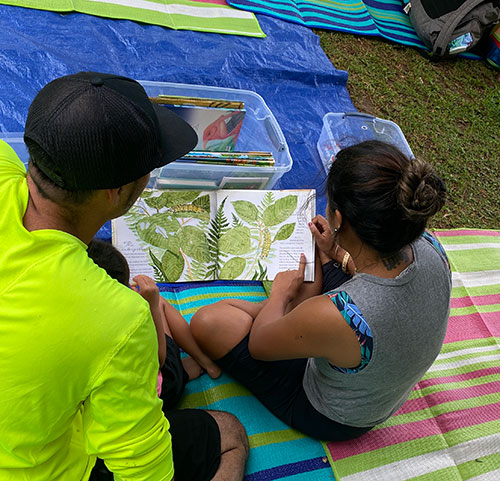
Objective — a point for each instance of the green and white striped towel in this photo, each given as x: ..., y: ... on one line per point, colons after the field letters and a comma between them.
x: 214, y: 17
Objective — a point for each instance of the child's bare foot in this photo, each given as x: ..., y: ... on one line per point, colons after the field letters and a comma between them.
x: 212, y: 369
x: 193, y: 369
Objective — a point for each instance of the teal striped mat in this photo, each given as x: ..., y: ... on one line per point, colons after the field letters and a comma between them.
x: 448, y: 428
x: 277, y: 451
x: 383, y: 18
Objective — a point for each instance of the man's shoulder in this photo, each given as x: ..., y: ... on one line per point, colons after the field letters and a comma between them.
x: 106, y: 294
x: 9, y: 160
x: 72, y: 285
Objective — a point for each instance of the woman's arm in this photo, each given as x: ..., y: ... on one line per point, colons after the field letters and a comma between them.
x: 315, y: 328
x: 309, y: 289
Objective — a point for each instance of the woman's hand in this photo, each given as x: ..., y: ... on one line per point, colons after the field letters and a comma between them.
x: 323, y: 237
x: 328, y: 248
x: 288, y: 283
x: 148, y: 289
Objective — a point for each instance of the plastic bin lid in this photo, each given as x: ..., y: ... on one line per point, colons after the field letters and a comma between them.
x: 344, y: 129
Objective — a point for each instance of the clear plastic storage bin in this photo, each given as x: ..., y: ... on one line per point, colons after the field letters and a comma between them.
x: 342, y: 130
x: 260, y: 131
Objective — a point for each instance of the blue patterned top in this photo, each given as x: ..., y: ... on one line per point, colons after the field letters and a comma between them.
x: 437, y: 245
x: 356, y: 320
x: 358, y: 324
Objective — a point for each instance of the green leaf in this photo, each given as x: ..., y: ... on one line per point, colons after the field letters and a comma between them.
x: 156, y: 229
x: 173, y: 243
x: 233, y: 268
x: 267, y: 286
x: 194, y: 243
x: 236, y: 241
x: 154, y: 202
x: 203, y: 202
x: 172, y: 198
x: 157, y: 267
x: 165, y: 220
x: 285, y: 231
x: 246, y: 210
x: 151, y: 235
x: 280, y: 211
x: 172, y: 265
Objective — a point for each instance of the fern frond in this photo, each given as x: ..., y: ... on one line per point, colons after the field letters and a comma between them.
x: 157, y: 267
x: 199, y: 270
x: 268, y: 200
x: 219, y: 225
x: 262, y: 272
x: 236, y: 222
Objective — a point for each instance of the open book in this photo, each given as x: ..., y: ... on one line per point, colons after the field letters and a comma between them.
x: 179, y: 236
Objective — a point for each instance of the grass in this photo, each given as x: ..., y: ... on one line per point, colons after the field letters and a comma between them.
x: 449, y: 112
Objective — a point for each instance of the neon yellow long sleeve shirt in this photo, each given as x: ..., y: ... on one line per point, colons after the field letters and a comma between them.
x: 78, y: 357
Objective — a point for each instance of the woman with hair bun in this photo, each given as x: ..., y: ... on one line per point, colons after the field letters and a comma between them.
x: 337, y: 357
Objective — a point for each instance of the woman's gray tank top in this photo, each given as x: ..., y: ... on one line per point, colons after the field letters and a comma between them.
x: 408, y: 317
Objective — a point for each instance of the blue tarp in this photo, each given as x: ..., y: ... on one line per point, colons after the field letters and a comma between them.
x: 288, y: 69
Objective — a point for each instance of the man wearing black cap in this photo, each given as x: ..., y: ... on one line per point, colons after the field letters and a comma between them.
x: 78, y: 355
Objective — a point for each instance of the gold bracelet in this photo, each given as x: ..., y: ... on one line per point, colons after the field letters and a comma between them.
x: 345, y: 261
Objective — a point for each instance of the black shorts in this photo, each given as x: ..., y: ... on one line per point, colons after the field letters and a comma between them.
x: 174, y: 377
x: 196, y: 447
x: 278, y: 385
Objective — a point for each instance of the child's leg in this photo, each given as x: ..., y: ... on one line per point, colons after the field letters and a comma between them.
x: 219, y: 327
x: 192, y: 368
x: 181, y: 334
x: 174, y: 375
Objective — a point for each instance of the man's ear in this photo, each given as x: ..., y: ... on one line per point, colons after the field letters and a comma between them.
x: 114, y: 196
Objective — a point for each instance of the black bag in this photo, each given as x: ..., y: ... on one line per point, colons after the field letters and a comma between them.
x: 449, y: 27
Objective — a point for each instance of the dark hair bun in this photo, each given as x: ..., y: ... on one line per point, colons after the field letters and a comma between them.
x: 385, y: 197
x: 421, y: 192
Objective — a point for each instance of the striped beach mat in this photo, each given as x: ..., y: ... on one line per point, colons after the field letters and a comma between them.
x: 384, y: 18
x: 449, y: 429
x: 200, y: 15
x: 277, y: 452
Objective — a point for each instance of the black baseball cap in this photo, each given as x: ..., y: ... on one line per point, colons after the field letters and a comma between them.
x: 101, y: 131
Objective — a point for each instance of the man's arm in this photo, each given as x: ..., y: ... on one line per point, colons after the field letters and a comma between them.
x: 123, y: 421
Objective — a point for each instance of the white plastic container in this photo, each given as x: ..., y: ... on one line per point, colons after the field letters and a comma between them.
x: 260, y: 131
x: 344, y: 129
